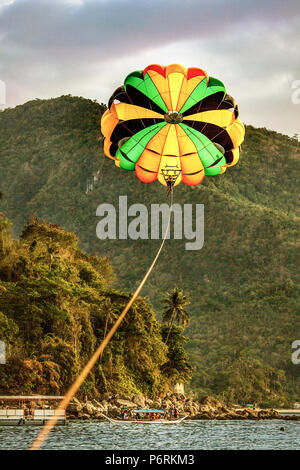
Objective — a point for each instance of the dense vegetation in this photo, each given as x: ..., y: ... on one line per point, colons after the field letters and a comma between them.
x: 243, y: 284
x: 55, y: 307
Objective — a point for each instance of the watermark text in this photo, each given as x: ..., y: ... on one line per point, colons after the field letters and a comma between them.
x: 2, y: 353
x: 296, y: 92
x: 188, y: 222
x: 2, y: 95
x: 296, y: 353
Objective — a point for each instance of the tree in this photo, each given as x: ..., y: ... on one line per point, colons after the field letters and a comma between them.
x: 177, y: 367
x: 53, y: 317
x: 111, y: 317
x: 174, y: 309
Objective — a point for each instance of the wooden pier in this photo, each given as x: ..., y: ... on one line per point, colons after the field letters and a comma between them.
x: 289, y: 412
x: 29, y: 416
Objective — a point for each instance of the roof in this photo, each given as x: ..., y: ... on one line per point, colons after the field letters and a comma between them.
x: 148, y: 411
x: 29, y: 398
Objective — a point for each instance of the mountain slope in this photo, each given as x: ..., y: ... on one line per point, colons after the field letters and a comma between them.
x: 243, y: 283
x: 56, y: 307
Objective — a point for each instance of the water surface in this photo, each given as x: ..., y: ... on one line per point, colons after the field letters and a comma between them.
x: 91, y: 435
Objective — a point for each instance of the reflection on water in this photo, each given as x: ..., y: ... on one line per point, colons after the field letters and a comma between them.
x: 190, y: 435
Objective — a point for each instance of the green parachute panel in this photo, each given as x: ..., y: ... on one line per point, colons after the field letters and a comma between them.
x: 208, y: 153
x: 147, y: 87
x: 203, y: 90
x: 131, y: 151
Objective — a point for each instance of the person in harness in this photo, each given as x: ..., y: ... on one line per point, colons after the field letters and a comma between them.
x: 170, y: 184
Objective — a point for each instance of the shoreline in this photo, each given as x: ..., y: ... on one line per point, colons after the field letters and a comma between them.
x: 206, y: 408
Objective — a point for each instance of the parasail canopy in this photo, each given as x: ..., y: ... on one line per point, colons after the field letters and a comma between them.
x: 172, y: 121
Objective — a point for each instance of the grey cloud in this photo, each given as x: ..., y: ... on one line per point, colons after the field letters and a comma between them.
x: 54, y: 47
x: 127, y: 26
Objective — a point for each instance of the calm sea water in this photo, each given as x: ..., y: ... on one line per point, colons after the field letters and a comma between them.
x: 188, y: 436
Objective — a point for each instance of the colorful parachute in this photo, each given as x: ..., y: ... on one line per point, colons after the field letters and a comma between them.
x: 172, y: 121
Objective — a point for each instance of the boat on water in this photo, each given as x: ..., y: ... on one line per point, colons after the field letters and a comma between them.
x: 143, y: 420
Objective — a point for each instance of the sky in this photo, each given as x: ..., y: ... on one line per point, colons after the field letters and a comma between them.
x: 87, y: 47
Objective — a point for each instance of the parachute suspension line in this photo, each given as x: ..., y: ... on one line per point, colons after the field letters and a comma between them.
x: 86, y: 370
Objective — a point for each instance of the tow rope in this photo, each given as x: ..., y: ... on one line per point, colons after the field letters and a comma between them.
x: 36, y: 445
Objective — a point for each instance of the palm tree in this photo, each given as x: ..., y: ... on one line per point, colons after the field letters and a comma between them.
x: 174, y: 309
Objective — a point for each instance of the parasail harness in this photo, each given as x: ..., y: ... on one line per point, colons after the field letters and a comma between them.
x: 170, y: 174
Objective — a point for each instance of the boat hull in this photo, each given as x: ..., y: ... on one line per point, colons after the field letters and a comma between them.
x: 145, y: 421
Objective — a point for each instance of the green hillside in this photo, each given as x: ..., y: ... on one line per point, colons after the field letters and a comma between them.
x: 243, y: 283
x: 55, y: 308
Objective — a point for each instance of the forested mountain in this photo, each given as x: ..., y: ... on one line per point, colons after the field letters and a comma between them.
x: 243, y: 283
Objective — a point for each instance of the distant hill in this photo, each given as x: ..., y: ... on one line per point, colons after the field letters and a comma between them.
x: 243, y: 283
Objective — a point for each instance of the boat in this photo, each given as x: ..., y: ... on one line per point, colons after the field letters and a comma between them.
x: 146, y: 421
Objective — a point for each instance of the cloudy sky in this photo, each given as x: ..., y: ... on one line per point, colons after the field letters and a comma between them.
x: 87, y: 47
